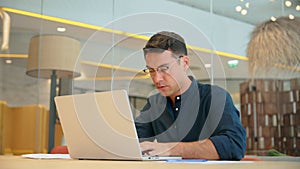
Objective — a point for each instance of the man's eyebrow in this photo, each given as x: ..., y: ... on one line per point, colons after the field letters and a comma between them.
x: 165, y: 64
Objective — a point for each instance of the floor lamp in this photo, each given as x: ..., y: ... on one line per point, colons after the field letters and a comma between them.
x: 52, y: 57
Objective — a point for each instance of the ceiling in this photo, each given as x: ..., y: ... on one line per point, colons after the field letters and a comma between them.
x: 257, y: 11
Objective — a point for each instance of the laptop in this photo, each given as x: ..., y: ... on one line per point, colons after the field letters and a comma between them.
x: 100, y: 125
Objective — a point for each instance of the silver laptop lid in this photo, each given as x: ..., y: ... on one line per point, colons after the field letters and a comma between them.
x: 99, y: 125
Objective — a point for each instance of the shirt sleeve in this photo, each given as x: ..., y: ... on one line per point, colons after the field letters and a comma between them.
x: 143, y: 125
x: 229, y: 137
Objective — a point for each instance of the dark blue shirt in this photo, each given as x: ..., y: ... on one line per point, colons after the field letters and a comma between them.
x: 203, y: 111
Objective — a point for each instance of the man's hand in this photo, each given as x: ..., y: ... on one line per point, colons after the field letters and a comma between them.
x: 203, y: 149
x: 161, y: 149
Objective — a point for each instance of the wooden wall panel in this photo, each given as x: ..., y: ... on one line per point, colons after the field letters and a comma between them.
x: 272, y: 119
x: 24, y: 129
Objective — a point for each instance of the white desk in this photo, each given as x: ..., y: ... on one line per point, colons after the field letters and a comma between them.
x: 17, y: 162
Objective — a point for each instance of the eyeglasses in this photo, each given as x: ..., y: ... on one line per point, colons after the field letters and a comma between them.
x: 163, y: 69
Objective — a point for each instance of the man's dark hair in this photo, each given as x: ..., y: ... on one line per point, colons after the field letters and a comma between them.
x: 166, y: 41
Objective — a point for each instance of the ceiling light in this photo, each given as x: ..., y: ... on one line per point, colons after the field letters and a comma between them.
x: 233, y: 63
x: 288, y: 3
x: 242, y: 0
x: 244, y: 12
x: 298, y: 7
x: 61, y: 29
x: 208, y: 65
x: 273, y: 19
x: 238, y: 8
x: 8, y: 61
x: 247, y: 5
x: 291, y: 16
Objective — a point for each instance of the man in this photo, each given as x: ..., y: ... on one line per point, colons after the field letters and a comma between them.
x: 186, y: 118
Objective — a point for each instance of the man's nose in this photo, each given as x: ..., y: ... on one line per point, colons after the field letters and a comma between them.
x: 157, y: 76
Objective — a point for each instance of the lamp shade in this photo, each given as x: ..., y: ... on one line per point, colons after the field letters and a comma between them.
x: 52, y: 52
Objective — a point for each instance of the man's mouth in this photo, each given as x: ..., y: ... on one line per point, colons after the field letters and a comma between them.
x: 160, y: 87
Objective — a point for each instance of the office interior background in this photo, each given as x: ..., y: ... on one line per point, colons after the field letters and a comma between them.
x: 111, y: 35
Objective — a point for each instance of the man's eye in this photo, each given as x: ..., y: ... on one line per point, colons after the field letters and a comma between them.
x: 164, y: 68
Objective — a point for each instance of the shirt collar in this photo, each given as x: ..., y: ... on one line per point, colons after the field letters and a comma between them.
x: 192, y: 88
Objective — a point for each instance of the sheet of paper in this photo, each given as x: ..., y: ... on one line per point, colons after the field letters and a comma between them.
x: 227, y: 162
x: 47, y: 156
x: 201, y: 161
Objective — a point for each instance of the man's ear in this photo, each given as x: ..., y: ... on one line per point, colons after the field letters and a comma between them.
x: 186, y: 62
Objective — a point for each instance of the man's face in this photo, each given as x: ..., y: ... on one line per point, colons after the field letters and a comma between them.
x: 166, y: 71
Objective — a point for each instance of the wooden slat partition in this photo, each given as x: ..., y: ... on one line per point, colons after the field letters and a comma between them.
x: 3, y: 107
x: 23, y: 129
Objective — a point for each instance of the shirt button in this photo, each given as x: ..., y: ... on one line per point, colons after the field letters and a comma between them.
x: 176, y: 108
x: 175, y: 127
x: 177, y: 97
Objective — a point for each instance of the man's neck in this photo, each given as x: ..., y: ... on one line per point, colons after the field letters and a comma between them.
x: 184, y: 87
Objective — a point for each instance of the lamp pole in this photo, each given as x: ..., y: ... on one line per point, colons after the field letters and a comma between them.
x: 52, y: 112
x: 46, y: 59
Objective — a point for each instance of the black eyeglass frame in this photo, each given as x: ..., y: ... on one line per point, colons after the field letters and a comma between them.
x: 161, y: 69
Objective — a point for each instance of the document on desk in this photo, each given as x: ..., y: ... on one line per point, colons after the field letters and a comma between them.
x: 187, y: 161
x: 47, y: 156
x: 202, y: 161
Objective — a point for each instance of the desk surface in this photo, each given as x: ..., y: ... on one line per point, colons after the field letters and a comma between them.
x: 17, y: 162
